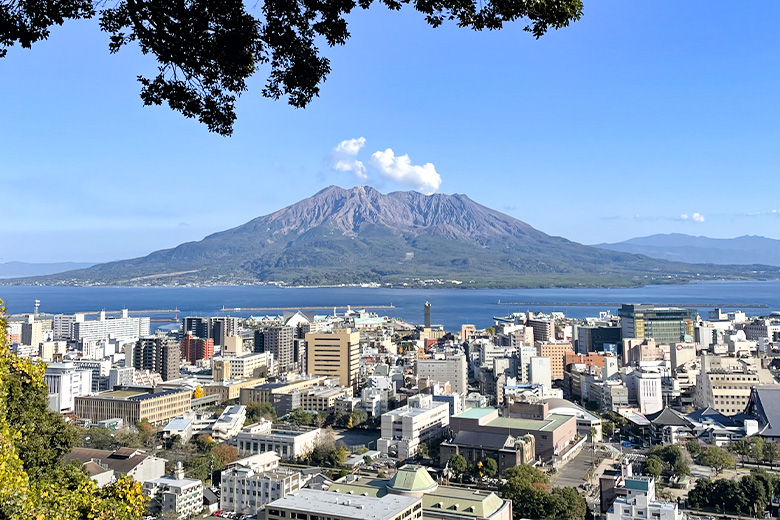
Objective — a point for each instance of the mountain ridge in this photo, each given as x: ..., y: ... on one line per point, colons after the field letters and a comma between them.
x: 741, y: 250
x: 359, y: 235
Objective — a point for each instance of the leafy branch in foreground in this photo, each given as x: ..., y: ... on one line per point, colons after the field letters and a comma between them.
x: 207, y: 49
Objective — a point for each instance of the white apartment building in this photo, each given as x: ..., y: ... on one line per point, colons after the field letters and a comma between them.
x: 288, y: 443
x: 453, y: 368
x: 62, y: 325
x: 246, y: 490
x: 488, y: 352
x: 175, y: 496
x: 403, y: 429
x: 640, y: 502
x: 524, y: 355
x: 66, y: 382
x: 229, y: 423
x: 100, y: 370
x: 123, y: 329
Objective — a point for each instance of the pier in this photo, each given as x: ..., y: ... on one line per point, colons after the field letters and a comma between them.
x: 305, y: 307
x: 615, y: 304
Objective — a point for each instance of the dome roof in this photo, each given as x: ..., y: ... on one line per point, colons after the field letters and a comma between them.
x: 412, y: 479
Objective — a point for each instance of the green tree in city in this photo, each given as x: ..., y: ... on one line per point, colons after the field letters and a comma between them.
x: 300, y: 417
x: 716, y: 458
x: 608, y: 428
x: 742, y: 447
x: 489, y: 467
x: 567, y: 504
x: 769, y: 453
x: 527, y: 474
x: 257, y: 411
x: 458, y: 464
x: 693, y: 447
x: 422, y: 450
x: 653, y: 466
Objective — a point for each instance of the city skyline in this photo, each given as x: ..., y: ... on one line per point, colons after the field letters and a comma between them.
x: 628, y: 123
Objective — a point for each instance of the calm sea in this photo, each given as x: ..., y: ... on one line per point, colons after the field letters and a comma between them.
x: 450, y: 307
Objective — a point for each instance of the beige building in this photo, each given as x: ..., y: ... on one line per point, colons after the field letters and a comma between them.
x: 323, y: 399
x: 241, y: 367
x: 230, y: 389
x: 134, y: 405
x: 334, y: 354
x: 725, y: 383
x: 557, y: 354
x: 265, y: 393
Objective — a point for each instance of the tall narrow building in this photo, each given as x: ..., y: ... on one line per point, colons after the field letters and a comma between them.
x: 159, y: 353
x: 334, y: 354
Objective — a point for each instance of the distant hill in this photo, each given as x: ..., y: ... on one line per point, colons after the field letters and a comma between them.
x: 18, y: 269
x: 359, y: 235
x: 744, y: 250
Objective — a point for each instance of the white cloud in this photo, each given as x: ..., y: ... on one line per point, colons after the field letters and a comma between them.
x: 696, y: 217
x: 776, y: 211
x: 342, y: 157
x: 401, y: 170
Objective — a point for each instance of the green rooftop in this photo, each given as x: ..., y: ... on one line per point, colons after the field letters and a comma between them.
x: 552, y: 423
x: 475, y: 413
x: 414, y: 479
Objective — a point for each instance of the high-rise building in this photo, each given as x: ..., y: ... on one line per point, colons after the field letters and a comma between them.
x: 334, y: 354
x: 194, y: 348
x: 279, y: 341
x: 454, y: 368
x: 158, y: 353
x: 32, y: 332
x: 557, y: 353
x: 216, y: 327
x: 666, y: 325
x: 122, y: 328
x: 427, y: 315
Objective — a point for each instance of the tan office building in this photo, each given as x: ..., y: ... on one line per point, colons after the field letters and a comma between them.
x: 134, y: 405
x: 334, y: 354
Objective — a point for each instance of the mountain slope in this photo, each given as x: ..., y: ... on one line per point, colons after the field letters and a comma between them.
x: 743, y: 250
x: 360, y: 235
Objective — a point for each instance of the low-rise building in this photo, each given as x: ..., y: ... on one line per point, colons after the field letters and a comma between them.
x: 174, y: 496
x: 133, y: 405
x: 506, y: 450
x: 246, y: 490
x: 124, y: 461
x: 229, y: 423
x: 313, y: 503
x: 552, y: 434
x: 289, y: 443
x: 640, y: 502
x: 404, y: 429
x: 230, y: 388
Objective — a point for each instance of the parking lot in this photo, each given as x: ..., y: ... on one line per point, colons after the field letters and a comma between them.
x: 573, y: 473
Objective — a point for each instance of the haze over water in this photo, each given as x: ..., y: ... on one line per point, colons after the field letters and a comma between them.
x: 450, y: 307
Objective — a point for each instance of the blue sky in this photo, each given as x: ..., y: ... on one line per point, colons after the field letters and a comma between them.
x: 644, y: 117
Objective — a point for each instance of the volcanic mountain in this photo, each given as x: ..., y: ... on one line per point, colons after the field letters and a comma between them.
x: 359, y: 235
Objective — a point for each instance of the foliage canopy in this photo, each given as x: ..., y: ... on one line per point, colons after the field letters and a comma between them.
x: 206, y: 50
x: 35, y: 484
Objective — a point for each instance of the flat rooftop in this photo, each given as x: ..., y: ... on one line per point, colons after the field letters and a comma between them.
x: 475, y: 413
x: 551, y: 423
x: 352, y: 506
